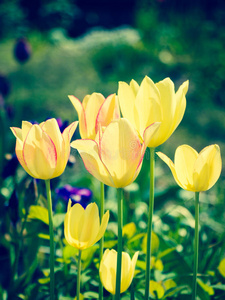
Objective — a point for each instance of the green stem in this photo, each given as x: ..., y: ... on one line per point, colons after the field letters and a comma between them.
x: 150, y: 217
x: 119, y: 245
x: 196, y: 246
x: 51, y: 233
x: 102, y: 199
x: 78, y: 275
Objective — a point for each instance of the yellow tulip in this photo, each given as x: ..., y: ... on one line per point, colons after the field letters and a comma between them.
x: 41, y: 149
x: 115, y: 156
x: 82, y: 226
x: 195, y: 171
x: 107, y: 270
x: 148, y: 103
x: 93, y: 111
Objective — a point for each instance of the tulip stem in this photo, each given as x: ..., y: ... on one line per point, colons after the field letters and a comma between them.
x: 150, y: 217
x: 102, y: 199
x: 196, y: 246
x: 78, y: 275
x: 51, y: 233
x: 119, y: 245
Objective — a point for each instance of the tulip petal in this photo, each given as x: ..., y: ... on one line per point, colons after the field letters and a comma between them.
x: 108, y: 111
x: 93, y: 105
x: 102, y: 228
x: 88, y: 150
x: 26, y: 126
x: 72, y: 224
x: 184, y: 161
x: 51, y: 127
x: 81, y: 115
x: 89, y: 226
x: 131, y: 270
x: 120, y: 151
x: 134, y: 86
x: 171, y: 165
x: 17, y: 133
x: 207, y: 168
x: 107, y: 270
x: 19, y: 148
x: 39, y: 153
x: 147, y: 105
x: 180, y: 98
x: 125, y: 270
x: 127, y: 101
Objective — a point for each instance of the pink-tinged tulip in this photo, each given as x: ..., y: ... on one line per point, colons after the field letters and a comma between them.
x: 148, y: 103
x: 115, y: 156
x: 107, y: 270
x: 82, y: 226
x: 42, y: 150
x: 193, y: 171
x: 94, y: 111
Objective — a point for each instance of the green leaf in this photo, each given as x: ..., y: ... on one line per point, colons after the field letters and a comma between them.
x: 156, y: 290
x: 154, y: 245
x: 206, y: 287
x: 129, y: 229
x: 58, y: 219
x: 39, y: 213
x: 221, y: 267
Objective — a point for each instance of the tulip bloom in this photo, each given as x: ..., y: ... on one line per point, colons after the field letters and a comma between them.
x: 93, y: 111
x: 82, y: 226
x: 148, y: 103
x: 195, y: 171
x: 41, y: 149
x: 115, y: 157
x: 107, y: 270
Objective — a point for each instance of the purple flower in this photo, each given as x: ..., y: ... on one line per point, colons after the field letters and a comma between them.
x: 62, y: 124
x: 22, y: 50
x: 77, y: 195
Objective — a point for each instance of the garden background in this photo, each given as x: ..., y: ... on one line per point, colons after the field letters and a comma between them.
x: 77, y: 47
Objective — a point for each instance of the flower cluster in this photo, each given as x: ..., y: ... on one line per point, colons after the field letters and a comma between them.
x: 112, y: 149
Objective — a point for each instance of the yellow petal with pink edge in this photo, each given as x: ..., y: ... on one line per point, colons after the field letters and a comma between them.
x: 19, y: 148
x: 81, y: 115
x: 39, y: 153
x: 108, y: 111
x: 89, y: 152
x: 120, y: 151
x: 26, y: 126
x: 93, y: 105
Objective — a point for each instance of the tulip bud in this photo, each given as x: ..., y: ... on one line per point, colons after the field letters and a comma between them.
x: 82, y: 226
x: 107, y: 270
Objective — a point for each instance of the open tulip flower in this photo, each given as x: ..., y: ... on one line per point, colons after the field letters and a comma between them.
x: 93, y: 111
x: 107, y: 270
x: 41, y: 149
x: 195, y: 171
x: 115, y: 156
x: 148, y: 103
x: 82, y: 226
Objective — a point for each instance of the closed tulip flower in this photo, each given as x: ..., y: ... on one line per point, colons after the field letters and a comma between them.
x: 107, y: 270
x: 82, y: 226
x: 41, y: 149
x: 195, y: 171
x: 115, y: 157
x: 148, y: 103
x: 93, y: 111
